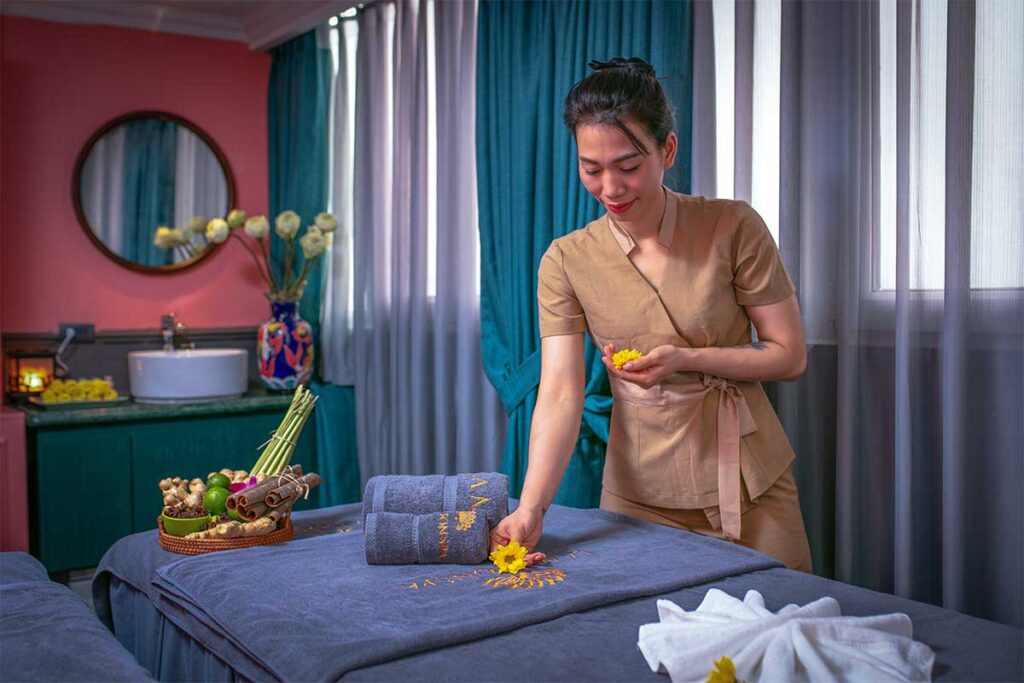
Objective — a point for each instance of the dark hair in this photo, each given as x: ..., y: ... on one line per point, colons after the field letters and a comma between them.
x: 619, y: 89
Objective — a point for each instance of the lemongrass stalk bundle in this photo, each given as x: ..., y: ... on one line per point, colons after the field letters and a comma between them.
x: 279, y: 449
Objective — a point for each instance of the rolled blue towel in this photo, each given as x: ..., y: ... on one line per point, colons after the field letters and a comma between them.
x: 436, y: 538
x: 485, y: 493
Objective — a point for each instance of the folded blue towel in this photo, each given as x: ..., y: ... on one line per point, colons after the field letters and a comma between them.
x: 485, y: 493
x: 437, y: 538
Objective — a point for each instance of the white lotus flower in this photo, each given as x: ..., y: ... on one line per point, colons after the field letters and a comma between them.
x: 326, y: 222
x: 257, y: 227
x: 163, y: 238
x: 179, y: 237
x: 287, y: 224
x: 313, y: 243
x: 217, y: 230
x: 197, y: 225
x: 235, y: 218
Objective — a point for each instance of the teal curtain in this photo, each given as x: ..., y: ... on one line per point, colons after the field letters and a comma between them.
x: 335, y: 415
x: 298, y: 103
x: 150, y: 151
x: 528, y: 56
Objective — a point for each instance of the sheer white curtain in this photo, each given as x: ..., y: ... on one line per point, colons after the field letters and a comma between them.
x: 898, y: 190
x: 200, y: 188
x: 103, y: 189
x: 413, y: 345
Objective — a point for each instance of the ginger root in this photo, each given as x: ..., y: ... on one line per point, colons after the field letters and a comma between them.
x: 260, y: 527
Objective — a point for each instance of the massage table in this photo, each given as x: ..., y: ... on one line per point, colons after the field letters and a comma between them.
x: 311, y: 609
x: 48, y: 634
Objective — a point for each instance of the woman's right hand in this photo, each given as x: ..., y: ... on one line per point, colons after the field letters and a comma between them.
x: 525, y: 526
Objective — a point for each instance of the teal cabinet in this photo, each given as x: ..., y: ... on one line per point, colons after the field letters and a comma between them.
x: 93, y: 482
x: 83, y: 488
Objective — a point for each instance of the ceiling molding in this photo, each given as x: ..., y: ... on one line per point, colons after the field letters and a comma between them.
x: 259, y: 24
x: 164, y: 18
x: 273, y: 23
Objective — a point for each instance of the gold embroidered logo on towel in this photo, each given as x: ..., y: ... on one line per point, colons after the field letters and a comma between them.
x: 464, y: 521
x: 534, y: 577
x: 442, y: 536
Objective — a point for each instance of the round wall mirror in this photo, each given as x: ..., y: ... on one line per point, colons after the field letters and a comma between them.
x: 149, y: 170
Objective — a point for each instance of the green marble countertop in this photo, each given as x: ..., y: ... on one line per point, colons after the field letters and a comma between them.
x: 257, y: 399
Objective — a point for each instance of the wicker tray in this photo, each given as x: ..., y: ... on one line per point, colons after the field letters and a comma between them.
x: 188, y: 546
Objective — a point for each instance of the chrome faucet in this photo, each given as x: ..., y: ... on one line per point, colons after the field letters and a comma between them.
x: 172, y: 331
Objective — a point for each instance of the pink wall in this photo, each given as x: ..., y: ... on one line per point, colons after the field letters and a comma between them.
x: 61, y: 82
x: 13, y: 481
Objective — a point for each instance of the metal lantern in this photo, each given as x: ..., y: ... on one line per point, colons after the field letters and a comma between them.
x: 28, y: 372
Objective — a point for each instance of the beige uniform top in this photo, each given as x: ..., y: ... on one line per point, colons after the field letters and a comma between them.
x: 681, y: 443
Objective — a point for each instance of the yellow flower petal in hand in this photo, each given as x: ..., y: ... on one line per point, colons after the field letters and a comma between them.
x: 620, y: 358
x: 724, y: 672
x: 509, y: 558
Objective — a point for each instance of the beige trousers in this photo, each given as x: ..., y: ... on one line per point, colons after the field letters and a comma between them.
x: 771, y: 524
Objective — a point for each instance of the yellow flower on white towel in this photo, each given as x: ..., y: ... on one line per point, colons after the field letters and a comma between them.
x: 724, y: 672
x: 509, y: 558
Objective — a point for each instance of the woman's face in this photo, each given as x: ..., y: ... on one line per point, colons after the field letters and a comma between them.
x: 623, y: 179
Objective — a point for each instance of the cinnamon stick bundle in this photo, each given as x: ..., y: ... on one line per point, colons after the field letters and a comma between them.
x: 278, y: 513
x: 256, y: 494
x: 293, y: 489
x: 252, y: 513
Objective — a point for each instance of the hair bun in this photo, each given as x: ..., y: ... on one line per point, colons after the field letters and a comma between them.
x: 630, y: 64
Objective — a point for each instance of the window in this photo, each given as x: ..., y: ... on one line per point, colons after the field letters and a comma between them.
x: 997, y: 198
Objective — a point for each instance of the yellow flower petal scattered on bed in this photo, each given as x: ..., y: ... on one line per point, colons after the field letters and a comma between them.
x: 620, y: 358
x: 724, y: 672
x: 509, y: 558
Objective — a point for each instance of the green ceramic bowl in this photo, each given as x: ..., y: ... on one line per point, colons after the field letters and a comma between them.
x: 182, y: 527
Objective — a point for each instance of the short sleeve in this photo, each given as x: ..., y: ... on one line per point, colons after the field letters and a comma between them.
x: 560, y: 310
x: 759, y: 277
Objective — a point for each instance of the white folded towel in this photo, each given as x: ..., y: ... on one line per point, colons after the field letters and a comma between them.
x: 809, y: 643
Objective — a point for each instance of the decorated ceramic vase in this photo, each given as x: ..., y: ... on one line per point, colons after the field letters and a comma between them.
x: 284, y: 345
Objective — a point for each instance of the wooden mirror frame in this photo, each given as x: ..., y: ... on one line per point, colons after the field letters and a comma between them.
x: 76, y: 189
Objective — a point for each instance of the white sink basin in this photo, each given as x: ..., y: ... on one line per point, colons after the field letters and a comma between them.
x: 187, y: 376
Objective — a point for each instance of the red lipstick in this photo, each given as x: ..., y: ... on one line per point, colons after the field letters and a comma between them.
x: 620, y: 208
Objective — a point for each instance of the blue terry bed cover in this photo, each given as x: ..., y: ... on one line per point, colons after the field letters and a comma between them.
x: 20, y: 567
x: 262, y: 610
x: 48, y: 634
x: 600, y: 644
x: 595, y: 644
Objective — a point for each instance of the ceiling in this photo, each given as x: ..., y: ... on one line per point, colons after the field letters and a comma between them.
x: 261, y: 24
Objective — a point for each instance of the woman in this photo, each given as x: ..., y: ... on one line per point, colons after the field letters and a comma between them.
x: 694, y: 442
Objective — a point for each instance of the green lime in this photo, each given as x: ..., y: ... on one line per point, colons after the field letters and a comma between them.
x: 215, y: 500
x: 218, y: 479
x: 233, y: 514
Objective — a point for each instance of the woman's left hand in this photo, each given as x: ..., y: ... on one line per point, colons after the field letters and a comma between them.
x: 648, y: 371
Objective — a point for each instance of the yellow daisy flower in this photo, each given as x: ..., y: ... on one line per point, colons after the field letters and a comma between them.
x: 620, y: 358
x: 724, y: 672
x: 509, y: 558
